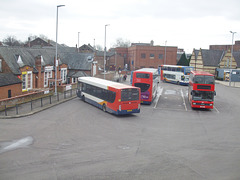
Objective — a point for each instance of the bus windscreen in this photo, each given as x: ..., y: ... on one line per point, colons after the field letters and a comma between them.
x: 204, y: 79
x: 142, y: 75
x: 202, y: 95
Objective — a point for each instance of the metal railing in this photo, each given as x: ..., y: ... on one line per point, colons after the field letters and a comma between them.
x: 35, y: 104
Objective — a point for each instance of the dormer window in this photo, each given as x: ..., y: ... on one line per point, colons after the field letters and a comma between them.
x: 19, y: 60
x: 42, y: 61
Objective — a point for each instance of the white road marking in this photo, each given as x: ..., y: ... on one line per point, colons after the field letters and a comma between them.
x: 158, y: 96
x: 215, y: 109
x: 8, y: 146
x: 183, y: 100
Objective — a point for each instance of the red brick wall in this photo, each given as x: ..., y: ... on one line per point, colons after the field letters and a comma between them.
x: 134, y: 53
x: 116, y: 59
x: 5, y: 67
x: 16, y: 90
x: 236, y: 47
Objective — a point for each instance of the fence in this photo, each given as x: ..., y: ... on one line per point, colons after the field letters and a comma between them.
x: 35, y: 104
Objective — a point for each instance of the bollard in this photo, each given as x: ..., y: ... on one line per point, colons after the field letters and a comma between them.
x: 31, y: 105
x: 41, y: 103
x: 5, y: 110
x: 17, y: 109
x: 50, y: 98
x: 58, y: 96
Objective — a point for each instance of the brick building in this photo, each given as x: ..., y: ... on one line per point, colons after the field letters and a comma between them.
x: 36, y: 67
x: 144, y: 56
x: 209, y: 60
x: 236, y: 47
x: 10, y: 85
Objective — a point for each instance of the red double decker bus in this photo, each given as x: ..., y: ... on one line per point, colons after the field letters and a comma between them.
x: 201, y: 90
x: 147, y: 80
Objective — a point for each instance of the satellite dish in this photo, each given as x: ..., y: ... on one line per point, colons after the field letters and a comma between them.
x: 90, y: 59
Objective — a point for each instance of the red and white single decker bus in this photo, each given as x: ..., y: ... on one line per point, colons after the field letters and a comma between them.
x: 109, y: 96
x: 201, y: 90
x: 147, y: 79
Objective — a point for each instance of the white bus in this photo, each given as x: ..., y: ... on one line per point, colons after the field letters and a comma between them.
x: 176, y: 74
x: 109, y: 96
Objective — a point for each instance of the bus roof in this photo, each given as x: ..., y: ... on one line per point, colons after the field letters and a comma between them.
x: 202, y: 73
x: 151, y: 70
x: 103, y: 83
x: 176, y: 66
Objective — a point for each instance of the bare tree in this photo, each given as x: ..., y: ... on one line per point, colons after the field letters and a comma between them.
x: 99, y: 47
x: 12, y: 41
x: 122, y: 43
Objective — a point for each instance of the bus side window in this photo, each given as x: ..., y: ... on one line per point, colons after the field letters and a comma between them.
x: 83, y: 87
x: 80, y: 86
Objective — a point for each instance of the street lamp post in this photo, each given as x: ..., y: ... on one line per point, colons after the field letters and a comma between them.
x: 104, y: 58
x: 165, y: 57
x: 56, y: 57
x: 78, y: 41
x: 232, y: 47
x: 230, y: 75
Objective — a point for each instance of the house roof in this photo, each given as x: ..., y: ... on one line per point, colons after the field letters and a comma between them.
x: 87, y: 47
x: 108, y: 54
x: 7, y: 79
x: 17, y: 57
x: 76, y: 74
x: 77, y: 61
x: 236, y: 56
x: 212, y: 57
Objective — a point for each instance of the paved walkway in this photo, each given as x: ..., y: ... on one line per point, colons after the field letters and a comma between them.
x: 33, y: 107
x: 226, y: 83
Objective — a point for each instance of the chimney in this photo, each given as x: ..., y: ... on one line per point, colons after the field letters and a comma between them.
x: 29, y: 42
x: 151, y: 43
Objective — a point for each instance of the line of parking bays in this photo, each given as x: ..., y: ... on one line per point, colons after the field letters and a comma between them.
x: 174, y: 100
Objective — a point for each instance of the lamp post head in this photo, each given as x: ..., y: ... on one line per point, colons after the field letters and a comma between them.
x: 60, y: 6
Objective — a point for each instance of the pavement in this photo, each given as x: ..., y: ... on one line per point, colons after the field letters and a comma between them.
x: 227, y: 83
x: 26, y: 110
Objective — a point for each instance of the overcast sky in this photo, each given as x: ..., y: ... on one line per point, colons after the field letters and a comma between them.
x: 187, y: 24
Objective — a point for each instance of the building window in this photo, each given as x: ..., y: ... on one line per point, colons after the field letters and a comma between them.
x: 29, y: 80
x: 74, y: 80
x: 151, y: 56
x: 24, y: 82
x: 143, y: 55
x: 160, y: 56
x: 64, y: 75
x: 47, y: 75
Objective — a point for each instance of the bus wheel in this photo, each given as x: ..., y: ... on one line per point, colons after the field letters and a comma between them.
x: 104, y: 108
x: 83, y: 98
